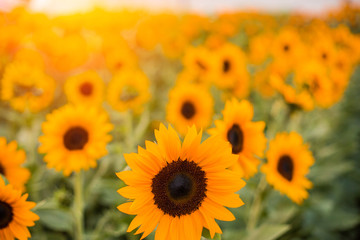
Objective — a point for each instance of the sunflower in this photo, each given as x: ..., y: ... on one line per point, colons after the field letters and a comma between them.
x: 231, y: 62
x: 246, y: 137
x: 189, y: 104
x: 200, y: 61
x: 287, y: 49
x: 289, y: 161
x: 85, y: 88
x: 74, y: 137
x: 15, y: 214
x: 313, y: 77
x: 27, y: 87
x: 128, y: 90
x: 180, y: 187
x: 120, y: 57
x: 292, y: 96
x: 10, y: 161
x: 259, y: 47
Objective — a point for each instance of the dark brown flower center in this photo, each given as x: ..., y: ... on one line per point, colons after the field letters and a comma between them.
x: 188, y: 110
x: 21, y: 90
x: 201, y: 65
x: 286, y: 47
x: 6, y: 214
x: 75, y: 138
x: 179, y: 188
x: 226, y: 66
x: 128, y: 93
x: 324, y: 56
x: 86, y: 88
x: 236, y: 137
x: 2, y: 170
x: 286, y: 167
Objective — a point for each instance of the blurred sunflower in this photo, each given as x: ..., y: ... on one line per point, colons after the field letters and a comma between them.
x: 292, y: 96
x: 313, y: 77
x: 288, y: 161
x: 287, y: 49
x: 246, y: 137
x: 323, y: 50
x: 231, y: 62
x: 180, y: 187
x: 15, y: 214
x: 189, y: 77
x: 120, y: 58
x: 259, y: 47
x: 128, y: 90
x: 74, y: 138
x: 200, y: 61
x: 30, y: 56
x: 189, y: 104
x: 26, y: 87
x: 10, y: 161
x: 85, y: 88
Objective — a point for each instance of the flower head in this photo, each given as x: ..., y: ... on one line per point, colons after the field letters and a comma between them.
x: 289, y: 161
x: 74, y: 138
x: 181, y: 187
x: 15, y: 214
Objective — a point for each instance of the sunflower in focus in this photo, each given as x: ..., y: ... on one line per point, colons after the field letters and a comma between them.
x: 15, y: 214
x: 27, y: 88
x: 74, y: 138
x: 10, y: 164
x: 180, y: 187
x: 288, y: 161
x: 246, y: 137
x: 128, y: 90
x: 189, y: 104
x: 85, y: 88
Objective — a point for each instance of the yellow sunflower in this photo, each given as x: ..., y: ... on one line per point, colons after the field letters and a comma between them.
x: 189, y: 104
x: 287, y: 49
x: 259, y: 47
x: 27, y: 87
x: 10, y: 161
x: 85, y: 88
x: 120, y: 57
x: 313, y: 77
x: 200, y: 61
x: 15, y: 214
x: 231, y: 63
x: 74, y: 138
x: 289, y: 160
x: 128, y: 90
x: 292, y: 96
x: 180, y: 188
x: 246, y: 137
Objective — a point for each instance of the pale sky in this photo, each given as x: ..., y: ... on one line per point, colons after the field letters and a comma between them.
x: 206, y: 6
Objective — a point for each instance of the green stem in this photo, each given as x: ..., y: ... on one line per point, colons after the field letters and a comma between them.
x: 129, y: 134
x: 143, y: 124
x: 78, y: 207
x: 256, y: 206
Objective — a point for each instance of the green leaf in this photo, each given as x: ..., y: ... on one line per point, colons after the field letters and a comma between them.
x: 341, y: 220
x: 56, y: 219
x: 268, y: 232
x: 206, y: 235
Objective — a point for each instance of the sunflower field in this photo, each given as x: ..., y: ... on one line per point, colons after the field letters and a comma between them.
x: 134, y: 124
